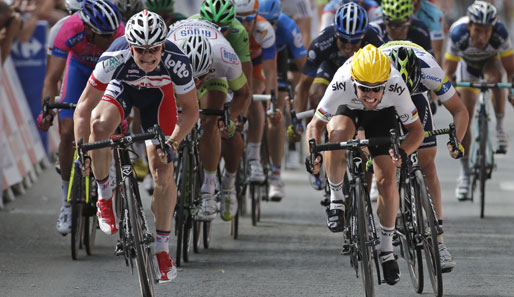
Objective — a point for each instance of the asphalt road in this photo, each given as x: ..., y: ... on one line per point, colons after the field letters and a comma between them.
x: 290, y: 253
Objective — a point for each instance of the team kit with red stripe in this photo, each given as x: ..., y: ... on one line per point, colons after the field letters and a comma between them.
x: 153, y: 93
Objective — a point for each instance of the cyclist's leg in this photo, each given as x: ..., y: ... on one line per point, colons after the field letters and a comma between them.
x: 340, y: 128
x: 493, y: 72
x: 468, y: 97
x: 232, y: 151
x: 210, y: 144
x: 256, y: 128
x: 75, y: 79
x: 277, y: 132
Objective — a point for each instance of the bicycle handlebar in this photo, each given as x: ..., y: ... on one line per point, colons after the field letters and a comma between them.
x: 483, y: 86
x: 261, y: 97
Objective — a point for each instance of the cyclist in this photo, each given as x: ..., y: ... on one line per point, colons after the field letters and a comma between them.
x: 128, y: 8
x: 479, y: 45
x: 329, y: 11
x: 144, y: 70
x: 432, y: 17
x: 327, y: 53
x: 165, y: 9
x: 263, y: 52
x: 226, y: 74
x: 78, y: 45
x: 301, y: 12
x: 368, y: 91
x: 421, y: 73
x: 289, y: 45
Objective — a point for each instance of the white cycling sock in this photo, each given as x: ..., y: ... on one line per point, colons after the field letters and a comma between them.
x: 65, y: 186
x: 209, y: 182
x: 104, y: 190
x: 254, y: 151
x: 386, y: 239
x: 162, y: 239
x: 464, y: 168
x: 336, y: 193
x: 228, y: 180
x: 499, y: 121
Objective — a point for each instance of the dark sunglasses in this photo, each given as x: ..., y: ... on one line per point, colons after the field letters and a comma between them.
x: 398, y: 25
x: 143, y: 50
x: 106, y: 36
x: 367, y: 89
x: 246, y: 19
x: 349, y: 40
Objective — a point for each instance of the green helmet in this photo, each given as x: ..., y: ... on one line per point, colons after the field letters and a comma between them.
x: 405, y: 60
x: 397, y: 10
x: 159, y: 5
x: 218, y: 11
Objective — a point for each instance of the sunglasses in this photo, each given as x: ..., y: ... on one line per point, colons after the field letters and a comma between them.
x: 246, y: 19
x: 349, y: 40
x: 106, y: 36
x: 143, y: 50
x: 367, y: 89
x: 398, y: 25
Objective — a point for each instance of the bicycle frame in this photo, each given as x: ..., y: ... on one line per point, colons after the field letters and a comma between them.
x: 482, y: 118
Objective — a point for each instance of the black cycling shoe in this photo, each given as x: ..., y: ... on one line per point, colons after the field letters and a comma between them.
x: 335, y: 219
x: 390, y: 268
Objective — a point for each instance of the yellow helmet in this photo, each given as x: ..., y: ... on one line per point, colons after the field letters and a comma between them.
x: 370, y: 65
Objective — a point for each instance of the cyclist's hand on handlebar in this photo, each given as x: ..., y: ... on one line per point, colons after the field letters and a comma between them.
x: 456, y: 151
x: 398, y: 160
x: 45, y: 121
x: 227, y: 132
x: 86, y: 166
x: 167, y: 155
x: 295, y: 136
x: 313, y: 168
x: 274, y: 117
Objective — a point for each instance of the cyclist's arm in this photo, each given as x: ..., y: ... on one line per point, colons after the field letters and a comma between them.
x: 450, y: 66
x: 54, y: 73
x: 300, y: 61
x: 415, y: 136
x: 301, y: 92
x: 241, y: 100
x: 82, y: 115
x: 270, y: 72
x: 189, y: 115
x: 459, y: 113
x: 247, y: 70
x: 508, y: 64
x: 437, y: 47
x: 314, y: 130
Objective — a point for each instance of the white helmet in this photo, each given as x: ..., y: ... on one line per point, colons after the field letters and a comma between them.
x: 73, y: 5
x: 146, y: 28
x: 198, y: 49
x: 482, y: 13
x: 245, y: 6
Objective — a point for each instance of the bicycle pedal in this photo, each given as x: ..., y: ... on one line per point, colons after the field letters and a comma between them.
x: 118, y: 251
x: 346, y: 249
x: 502, y: 150
x: 325, y: 202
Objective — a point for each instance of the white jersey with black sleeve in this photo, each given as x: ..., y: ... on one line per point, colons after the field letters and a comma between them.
x: 341, y: 91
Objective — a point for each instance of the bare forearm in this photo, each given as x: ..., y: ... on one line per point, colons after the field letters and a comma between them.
x: 301, y: 94
x: 240, y: 102
x: 413, y: 140
x: 185, y: 123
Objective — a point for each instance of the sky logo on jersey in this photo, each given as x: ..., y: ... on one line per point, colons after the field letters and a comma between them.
x: 397, y: 89
x: 336, y: 86
x: 229, y: 56
x: 112, y: 63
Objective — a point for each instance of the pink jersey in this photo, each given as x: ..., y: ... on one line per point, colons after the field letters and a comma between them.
x: 72, y: 39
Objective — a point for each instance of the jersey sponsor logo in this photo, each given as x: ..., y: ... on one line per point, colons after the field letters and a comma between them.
x: 112, y: 63
x: 229, y: 56
x: 396, y: 89
x: 312, y: 55
x: 298, y: 42
x: 92, y: 81
x: 404, y: 117
x: 430, y: 77
x: 75, y: 39
x: 177, y: 67
x: 195, y: 31
x: 339, y: 86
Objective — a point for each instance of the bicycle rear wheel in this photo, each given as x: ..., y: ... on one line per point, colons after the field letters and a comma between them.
x: 206, y: 234
x: 197, y: 229
x: 366, y: 265
x: 411, y: 252
x: 256, y: 203
x: 427, y: 225
x: 482, y: 123
x: 142, y: 242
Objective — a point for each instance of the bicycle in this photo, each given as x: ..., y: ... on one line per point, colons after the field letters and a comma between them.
x: 135, y: 239
x: 360, y: 230
x: 481, y: 152
x: 82, y: 196
x: 417, y: 225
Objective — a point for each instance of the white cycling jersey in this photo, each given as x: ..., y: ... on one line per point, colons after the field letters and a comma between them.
x: 226, y: 63
x: 433, y: 77
x: 341, y: 91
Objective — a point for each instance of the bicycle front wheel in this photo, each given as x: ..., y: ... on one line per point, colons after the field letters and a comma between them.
x: 75, y: 197
x: 90, y: 219
x: 427, y: 225
x: 482, y: 174
x: 144, y: 255
x: 363, y: 236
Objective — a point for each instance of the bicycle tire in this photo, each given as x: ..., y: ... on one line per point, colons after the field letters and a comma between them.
x: 187, y: 241
x: 197, y: 229
x: 206, y: 234
x: 254, y: 195
x: 363, y: 237
x: 427, y: 225
x: 90, y: 219
x: 483, y: 130
x: 411, y: 252
x: 76, y: 214
x: 240, y: 194
x: 144, y: 256
x: 180, y: 215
